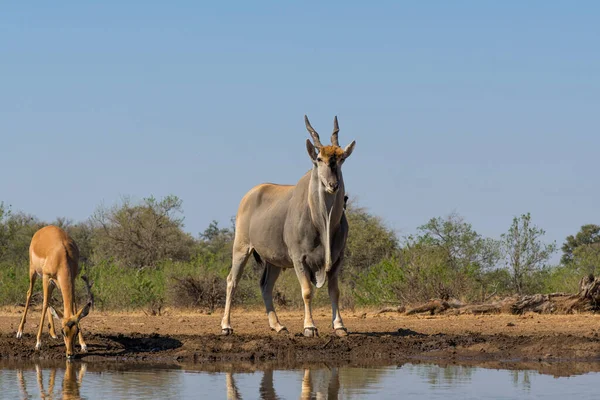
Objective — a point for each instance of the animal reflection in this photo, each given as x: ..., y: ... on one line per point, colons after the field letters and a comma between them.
x: 70, y: 385
x: 317, y: 384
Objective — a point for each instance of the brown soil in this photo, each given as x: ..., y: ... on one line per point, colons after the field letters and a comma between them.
x: 182, y: 336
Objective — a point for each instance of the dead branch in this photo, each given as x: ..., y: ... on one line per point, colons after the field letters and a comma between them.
x: 586, y: 300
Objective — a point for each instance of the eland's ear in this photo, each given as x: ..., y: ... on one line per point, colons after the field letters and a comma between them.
x: 55, y: 313
x: 312, y: 152
x: 84, y: 311
x: 349, y: 149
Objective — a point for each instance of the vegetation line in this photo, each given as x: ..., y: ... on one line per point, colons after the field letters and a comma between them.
x: 137, y: 256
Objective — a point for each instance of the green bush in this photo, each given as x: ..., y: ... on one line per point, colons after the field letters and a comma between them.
x: 380, y: 284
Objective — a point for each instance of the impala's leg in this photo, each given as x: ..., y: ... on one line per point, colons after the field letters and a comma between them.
x: 45, y: 289
x: 240, y: 257
x: 334, y: 295
x: 267, y: 282
x: 32, y: 278
x: 80, y: 335
x: 82, y: 371
x: 51, y: 381
x: 40, y: 380
x: 22, y: 384
x: 310, y: 329
x: 50, y: 319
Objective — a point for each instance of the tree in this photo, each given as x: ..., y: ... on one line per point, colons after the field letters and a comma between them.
x: 215, y: 244
x: 525, y: 252
x: 4, y: 235
x: 464, y: 248
x: 447, y: 259
x: 82, y: 233
x: 587, y: 235
x: 16, y: 231
x: 142, y: 235
x: 369, y: 240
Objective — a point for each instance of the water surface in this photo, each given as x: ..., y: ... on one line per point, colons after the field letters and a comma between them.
x: 79, y: 380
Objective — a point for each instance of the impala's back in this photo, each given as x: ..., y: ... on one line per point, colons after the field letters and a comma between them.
x: 50, y: 248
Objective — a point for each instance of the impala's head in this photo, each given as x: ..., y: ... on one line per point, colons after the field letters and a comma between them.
x: 70, y: 327
x: 328, y: 160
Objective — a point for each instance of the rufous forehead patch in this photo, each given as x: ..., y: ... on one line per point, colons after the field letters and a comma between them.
x: 335, y: 152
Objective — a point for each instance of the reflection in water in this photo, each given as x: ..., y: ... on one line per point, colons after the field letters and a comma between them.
x: 455, y: 375
x: 317, y: 384
x: 47, y: 380
x: 267, y: 390
x: 449, y: 375
x: 521, y: 379
x: 70, y: 385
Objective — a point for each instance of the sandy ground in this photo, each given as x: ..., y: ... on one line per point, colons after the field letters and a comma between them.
x: 183, y: 336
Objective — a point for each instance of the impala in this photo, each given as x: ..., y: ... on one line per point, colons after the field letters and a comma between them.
x: 54, y: 256
x: 71, y: 383
x: 302, y: 227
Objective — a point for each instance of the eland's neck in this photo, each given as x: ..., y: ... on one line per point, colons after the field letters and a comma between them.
x: 326, y: 210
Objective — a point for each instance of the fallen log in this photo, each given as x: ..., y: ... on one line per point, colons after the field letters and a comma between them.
x: 433, y: 307
x: 586, y: 300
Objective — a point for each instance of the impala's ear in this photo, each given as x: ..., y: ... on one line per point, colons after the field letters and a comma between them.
x: 349, y: 149
x: 55, y: 313
x: 312, y: 152
x: 84, y: 311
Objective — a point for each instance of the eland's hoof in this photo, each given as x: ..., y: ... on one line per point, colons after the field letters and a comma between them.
x: 341, y: 332
x: 226, y: 331
x: 281, y: 329
x: 311, y: 332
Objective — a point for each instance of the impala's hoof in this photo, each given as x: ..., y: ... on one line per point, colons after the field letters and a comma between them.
x: 53, y: 336
x: 311, y: 332
x: 38, y: 345
x: 341, y: 332
x: 19, y: 335
x: 227, y: 331
x: 84, y: 348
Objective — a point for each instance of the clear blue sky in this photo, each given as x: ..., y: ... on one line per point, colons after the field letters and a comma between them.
x: 487, y: 109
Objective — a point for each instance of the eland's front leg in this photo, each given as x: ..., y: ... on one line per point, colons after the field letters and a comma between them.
x: 310, y: 330
x: 334, y: 295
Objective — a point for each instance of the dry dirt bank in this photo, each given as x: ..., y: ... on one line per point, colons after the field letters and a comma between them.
x: 186, y: 337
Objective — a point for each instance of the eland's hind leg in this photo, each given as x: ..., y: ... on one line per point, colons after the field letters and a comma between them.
x: 239, y: 259
x: 267, y: 282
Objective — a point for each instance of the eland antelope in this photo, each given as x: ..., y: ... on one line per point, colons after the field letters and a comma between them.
x: 302, y: 227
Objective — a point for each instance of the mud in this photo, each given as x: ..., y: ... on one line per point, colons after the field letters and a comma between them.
x: 559, y: 345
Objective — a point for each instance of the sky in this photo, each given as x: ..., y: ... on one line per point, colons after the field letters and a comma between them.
x: 485, y: 109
